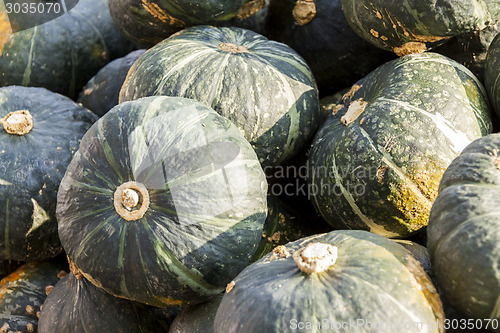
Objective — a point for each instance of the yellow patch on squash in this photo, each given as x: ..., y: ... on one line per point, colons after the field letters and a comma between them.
x: 156, y: 11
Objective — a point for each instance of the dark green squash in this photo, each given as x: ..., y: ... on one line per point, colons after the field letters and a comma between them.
x: 197, y: 318
x: 492, y: 73
x: 376, y: 164
x: 417, y: 25
x: 256, y: 22
x: 331, y: 279
x: 470, y: 49
x: 63, y: 54
x: 32, y: 166
x: 319, y: 32
x: 22, y: 294
x: 148, y: 22
x: 463, y: 232
x: 77, y: 306
x: 171, y: 193
x: 100, y: 94
x: 262, y: 86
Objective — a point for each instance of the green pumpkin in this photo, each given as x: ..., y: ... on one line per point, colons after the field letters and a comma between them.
x: 256, y: 22
x: 262, y: 86
x: 148, y: 22
x: 492, y: 73
x: 100, y: 94
x: 470, y: 49
x: 319, y: 32
x: 377, y: 162
x: 463, y: 237
x: 417, y: 25
x: 77, y: 306
x: 39, y: 134
x: 22, y: 294
x: 171, y: 193
x: 63, y: 54
x: 331, y: 279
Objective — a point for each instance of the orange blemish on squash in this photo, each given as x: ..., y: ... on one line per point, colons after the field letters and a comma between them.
x: 230, y: 286
x: 156, y: 11
x: 170, y: 301
x: 351, y: 92
x: 304, y: 11
x: 5, y: 30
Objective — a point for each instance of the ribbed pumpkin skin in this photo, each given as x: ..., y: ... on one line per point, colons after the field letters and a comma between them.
x: 391, y: 24
x: 148, y: 22
x: 77, y: 306
x: 63, y: 54
x: 463, y: 237
x: 23, y: 292
x: 373, y: 279
x: 470, y: 49
x: 207, y: 202
x: 492, y: 73
x: 338, y: 57
x: 381, y: 172
x: 31, y: 168
x: 101, y: 93
x: 268, y: 92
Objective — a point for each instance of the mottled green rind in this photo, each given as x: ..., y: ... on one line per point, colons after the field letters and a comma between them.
x: 283, y: 225
x: 148, y: 22
x: 423, y: 109
x: 100, y: 94
x: 63, y: 54
x: 269, y: 92
x: 77, y: 306
x: 338, y: 57
x: 492, y: 73
x: 425, y: 21
x: 470, y: 49
x: 32, y: 166
x: 198, y: 318
x: 25, y: 286
x: 373, y: 279
x: 463, y: 237
x: 205, y: 218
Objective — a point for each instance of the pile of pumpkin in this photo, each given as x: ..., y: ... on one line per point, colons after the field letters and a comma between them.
x: 135, y: 185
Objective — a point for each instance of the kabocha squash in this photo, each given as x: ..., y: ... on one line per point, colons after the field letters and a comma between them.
x: 377, y: 162
x: 40, y: 132
x: 319, y: 32
x: 470, y: 49
x: 63, y: 54
x: 256, y: 22
x: 22, y: 294
x: 77, y: 306
x: 262, y: 86
x: 332, y: 280
x: 171, y: 193
x: 463, y: 232
x: 198, y: 318
x: 101, y: 93
x: 417, y: 25
x: 492, y: 73
x: 148, y: 22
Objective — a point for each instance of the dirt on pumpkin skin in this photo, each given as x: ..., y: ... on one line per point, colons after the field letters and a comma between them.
x: 160, y: 14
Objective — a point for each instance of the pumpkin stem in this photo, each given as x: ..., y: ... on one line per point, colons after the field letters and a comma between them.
x: 233, y: 48
x: 315, y: 257
x: 304, y: 11
x: 19, y: 122
x: 131, y: 200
